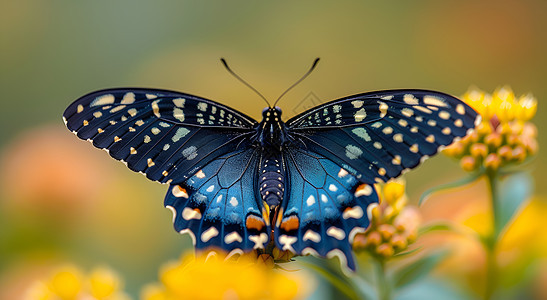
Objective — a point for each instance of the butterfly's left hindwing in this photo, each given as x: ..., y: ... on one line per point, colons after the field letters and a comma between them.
x: 166, y: 135
x: 325, y: 207
x: 219, y: 205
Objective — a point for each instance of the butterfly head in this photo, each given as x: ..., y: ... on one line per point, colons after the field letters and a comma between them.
x: 271, y: 114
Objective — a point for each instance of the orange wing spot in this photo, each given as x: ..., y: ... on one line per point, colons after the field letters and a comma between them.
x: 254, y: 222
x: 290, y: 223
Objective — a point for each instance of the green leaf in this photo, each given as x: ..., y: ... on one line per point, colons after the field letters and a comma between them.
x: 513, y: 192
x: 451, y: 185
x: 437, y: 226
x: 417, y: 269
x: 339, y: 282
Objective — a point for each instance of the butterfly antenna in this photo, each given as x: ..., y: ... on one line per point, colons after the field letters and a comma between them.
x: 243, y: 81
x: 299, y: 80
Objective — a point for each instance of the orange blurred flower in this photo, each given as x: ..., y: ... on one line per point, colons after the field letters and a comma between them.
x: 43, y: 171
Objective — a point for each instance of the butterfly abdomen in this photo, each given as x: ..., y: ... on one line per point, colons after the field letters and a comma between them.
x: 271, y: 180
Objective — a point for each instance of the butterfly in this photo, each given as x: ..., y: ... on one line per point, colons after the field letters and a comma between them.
x: 305, y: 185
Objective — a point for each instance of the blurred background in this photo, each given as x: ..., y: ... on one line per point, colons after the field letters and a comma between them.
x: 61, y: 200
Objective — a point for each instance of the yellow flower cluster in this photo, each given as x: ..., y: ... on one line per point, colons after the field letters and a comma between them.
x: 211, y: 276
x: 505, y: 134
x: 393, y: 224
x: 69, y: 283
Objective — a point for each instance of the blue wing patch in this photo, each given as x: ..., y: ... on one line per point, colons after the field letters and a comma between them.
x: 380, y: 135
x: 168, y: 136
x: 325, y: 207
x: 219, y: 205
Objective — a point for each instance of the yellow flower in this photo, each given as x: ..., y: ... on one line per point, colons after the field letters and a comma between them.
x: 393, y: 224
x: 211, y: 276
x: 503, y: 137
x: 69, y: 283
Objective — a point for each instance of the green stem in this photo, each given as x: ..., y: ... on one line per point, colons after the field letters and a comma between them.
x: 383, y: 286
x: 490, y: 242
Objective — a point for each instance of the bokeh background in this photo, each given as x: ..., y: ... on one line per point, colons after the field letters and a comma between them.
x: 61, y: 200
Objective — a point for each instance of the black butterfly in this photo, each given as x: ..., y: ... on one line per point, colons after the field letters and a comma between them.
x: 305, y: 185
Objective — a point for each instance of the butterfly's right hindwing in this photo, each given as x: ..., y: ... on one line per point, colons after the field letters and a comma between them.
x: 219, y: 205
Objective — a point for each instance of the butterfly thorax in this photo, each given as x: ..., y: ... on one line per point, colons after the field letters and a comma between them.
x: 272, y: 132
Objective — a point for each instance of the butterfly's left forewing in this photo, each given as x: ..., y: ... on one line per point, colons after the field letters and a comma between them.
x: 377, y: 136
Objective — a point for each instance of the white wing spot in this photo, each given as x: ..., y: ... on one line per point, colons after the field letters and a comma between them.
x: 311, y: 200
x: 423, y: 109
x: 156, y: 108
x: 353, y: 152
x: 233, y: 201
x: 97, y: 114
x: 179, y: 102
x: 178, y: 114
x: 166, y: 147
x: 342, y: 173
x: 150, y: 162
x: 458, y: 123
x: 365, y: 190
x: 410, y: 99
x: 387, y: 130
x: 132, y: 150
x: 355, y: 212
x: 336, y: 233
x: 414, y: 148
x: 200, y: 174
x: 403, y: 123
x: 179, y: 192
x: 210, y: 188
x: 128, y: 98
x: 233, y: 237
x: 357, y: 103
x: 444, y: 115
x: 209, y: 234
x: 147, y: 139
x: 407, y: 112
x: 132, y: 112
x: 432, y: 123
x: 155, y: 130
x: 332, y: 188
x: 312, y: 236
x: 103, y: 100
x: 80, y: 108
x: 179, y: 134
x: 261, y: 239
x: 377, y: 145
x: 360, y: 115
x: 189, y: 214
x: 383, y: 109
x: 430, y: 138
x: 202, y: 106
x: 396, y: 160
x: 446, y: 131
x: 190, y: 153
x: 460, y: 109
x: 362, y: 133
x: 432, y: 100
x: 287, y: 242
x: 398, y: 137
x: 324, y: 198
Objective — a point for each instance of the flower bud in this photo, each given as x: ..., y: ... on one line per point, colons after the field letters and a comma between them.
x: 468, y: 163
x: 492, y: 161
x: 385, y: 250
x: 398, y: 242
x: 519, y: 153
x: 478, y: 150
x: 493, y: 140
x: 527, y: 107
x: 373, y: 239
x: 505, y: 152
x: 386, y: 231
